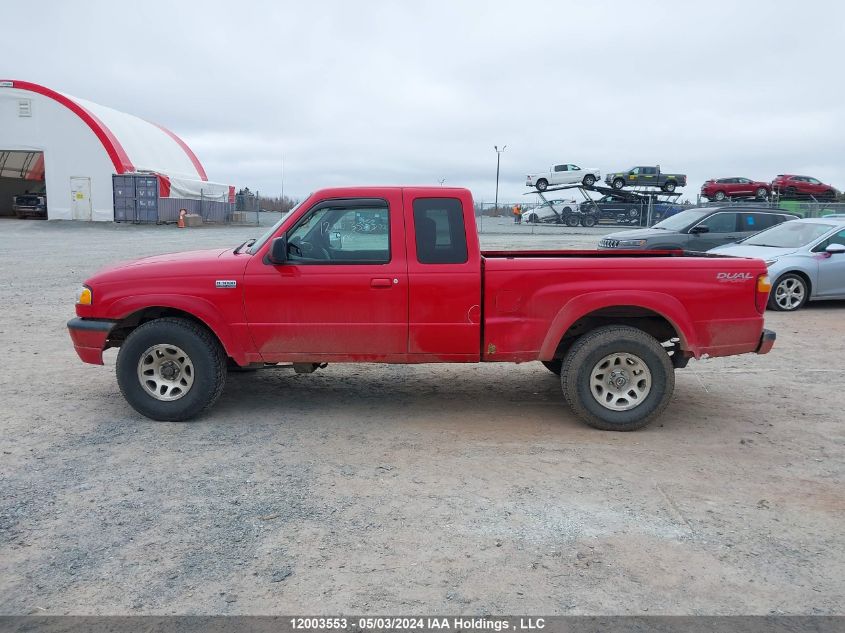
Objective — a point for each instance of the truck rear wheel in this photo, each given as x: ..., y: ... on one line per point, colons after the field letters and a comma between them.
x: 669, y: 187
x: 617, y: 378
x: 171, y: 369
x: 542, y: 184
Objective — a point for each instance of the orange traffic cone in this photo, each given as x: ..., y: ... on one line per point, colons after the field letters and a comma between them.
x: 181, y: 222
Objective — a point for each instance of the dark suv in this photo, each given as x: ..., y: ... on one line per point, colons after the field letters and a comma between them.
x: 698, y: 229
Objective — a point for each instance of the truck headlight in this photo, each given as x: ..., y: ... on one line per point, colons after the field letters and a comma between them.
x: 624, y: 243
x: 84, y: 296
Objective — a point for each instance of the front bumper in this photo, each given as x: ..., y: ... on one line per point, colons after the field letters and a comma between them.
x: 767, y: 341
x: 89, y: 338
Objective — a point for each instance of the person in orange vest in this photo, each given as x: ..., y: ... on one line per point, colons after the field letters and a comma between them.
x: 517, y: 214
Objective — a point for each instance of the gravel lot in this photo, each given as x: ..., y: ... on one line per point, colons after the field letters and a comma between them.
x: 380, y: 489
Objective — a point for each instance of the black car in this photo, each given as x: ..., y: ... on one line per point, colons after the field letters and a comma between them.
x: 699, y: 229
x: 30, y: 205
x: 628, y: 207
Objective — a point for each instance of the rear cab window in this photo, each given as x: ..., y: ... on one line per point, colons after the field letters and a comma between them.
x: 439, y: 231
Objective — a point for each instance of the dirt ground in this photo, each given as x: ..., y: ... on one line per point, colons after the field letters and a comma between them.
x: 395, y: 490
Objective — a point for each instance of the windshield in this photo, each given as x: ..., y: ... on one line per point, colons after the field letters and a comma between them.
x: 263, y: 239
x: 682, y: 220
x: 789, y: 234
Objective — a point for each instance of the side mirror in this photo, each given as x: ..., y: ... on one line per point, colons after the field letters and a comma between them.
x: 835, y: 249
x: 699, y: 229
x: 336, y: 240
x: 279, y: 251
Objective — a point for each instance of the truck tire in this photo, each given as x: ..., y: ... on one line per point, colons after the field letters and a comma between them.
x: 762, y: 193
x: 171, y: 369
x: 669, y: 186
x: 617, y: 378
x: 618, y: 183
x: 588, y: 219
x: 542, y: 184
x: 553, y: 365
x: 589, y: 180
x: 571, y: 220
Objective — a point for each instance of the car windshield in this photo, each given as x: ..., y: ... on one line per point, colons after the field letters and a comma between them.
x: 682, y: 220
x: 256, y: 246
x: 791, y: 234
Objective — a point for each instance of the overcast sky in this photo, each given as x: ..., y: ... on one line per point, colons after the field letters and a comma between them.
x: 361, y: 92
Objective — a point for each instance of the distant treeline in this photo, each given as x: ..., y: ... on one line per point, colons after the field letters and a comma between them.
x: 278, y: 203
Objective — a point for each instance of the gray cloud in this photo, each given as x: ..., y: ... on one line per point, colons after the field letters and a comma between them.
x: 391, y: 92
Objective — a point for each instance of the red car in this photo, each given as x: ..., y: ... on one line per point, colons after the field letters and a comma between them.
x: 721, y: 188
x: 318, y: 288
x: 791, y: 186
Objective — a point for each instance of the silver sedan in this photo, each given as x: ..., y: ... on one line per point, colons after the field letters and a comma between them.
x: 806, y: 260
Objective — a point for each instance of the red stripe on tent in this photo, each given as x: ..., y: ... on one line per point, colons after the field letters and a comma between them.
x: 163, y: 186
x: 36, y: 172
x: 196, y: 161
x: 231, y: 193
x: 118, y: 155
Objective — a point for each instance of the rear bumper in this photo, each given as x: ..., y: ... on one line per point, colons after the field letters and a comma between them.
x: 89, y: 338
x: 767, y: 341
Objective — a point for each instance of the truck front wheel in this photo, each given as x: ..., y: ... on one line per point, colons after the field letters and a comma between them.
x: 618, y: 183
x: 171, y: 369
x: 617, y: 378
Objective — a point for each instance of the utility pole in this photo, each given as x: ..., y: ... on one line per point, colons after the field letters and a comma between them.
x: 498, y: 159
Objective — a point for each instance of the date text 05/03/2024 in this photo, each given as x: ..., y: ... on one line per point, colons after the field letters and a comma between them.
x: 419, y: 623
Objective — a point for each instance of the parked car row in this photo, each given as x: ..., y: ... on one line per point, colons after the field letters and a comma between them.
x: 805, y: 256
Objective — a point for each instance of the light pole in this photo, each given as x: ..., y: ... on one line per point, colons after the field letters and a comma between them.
x: 498, y: 158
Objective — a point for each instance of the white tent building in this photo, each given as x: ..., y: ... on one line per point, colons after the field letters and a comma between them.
x: 72, y: 148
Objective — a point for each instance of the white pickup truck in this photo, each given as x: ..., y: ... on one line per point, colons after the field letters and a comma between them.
x: 566, y: 174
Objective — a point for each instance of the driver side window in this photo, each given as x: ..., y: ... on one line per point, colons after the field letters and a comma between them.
x: 341, y: 235
x: 720, y: 223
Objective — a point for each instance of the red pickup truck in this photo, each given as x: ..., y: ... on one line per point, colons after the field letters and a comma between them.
x: 395, y: 275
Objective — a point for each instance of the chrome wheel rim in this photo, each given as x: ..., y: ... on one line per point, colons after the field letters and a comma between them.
x: 720, y: 195
x: 165, y: 372
x: 789, y: 293
x: 620, y: 381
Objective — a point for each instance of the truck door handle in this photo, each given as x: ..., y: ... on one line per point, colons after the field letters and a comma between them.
x: 383, y: 282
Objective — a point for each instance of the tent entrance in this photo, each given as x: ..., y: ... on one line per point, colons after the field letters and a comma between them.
x: 23, y: 185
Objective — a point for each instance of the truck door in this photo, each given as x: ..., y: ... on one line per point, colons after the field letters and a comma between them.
x: 648, y: 176
x: 343, y: 290
x: 444, y: 275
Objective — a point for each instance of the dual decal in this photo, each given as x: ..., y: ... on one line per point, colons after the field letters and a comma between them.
x: 226, y: 283
x: 734, y: 277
